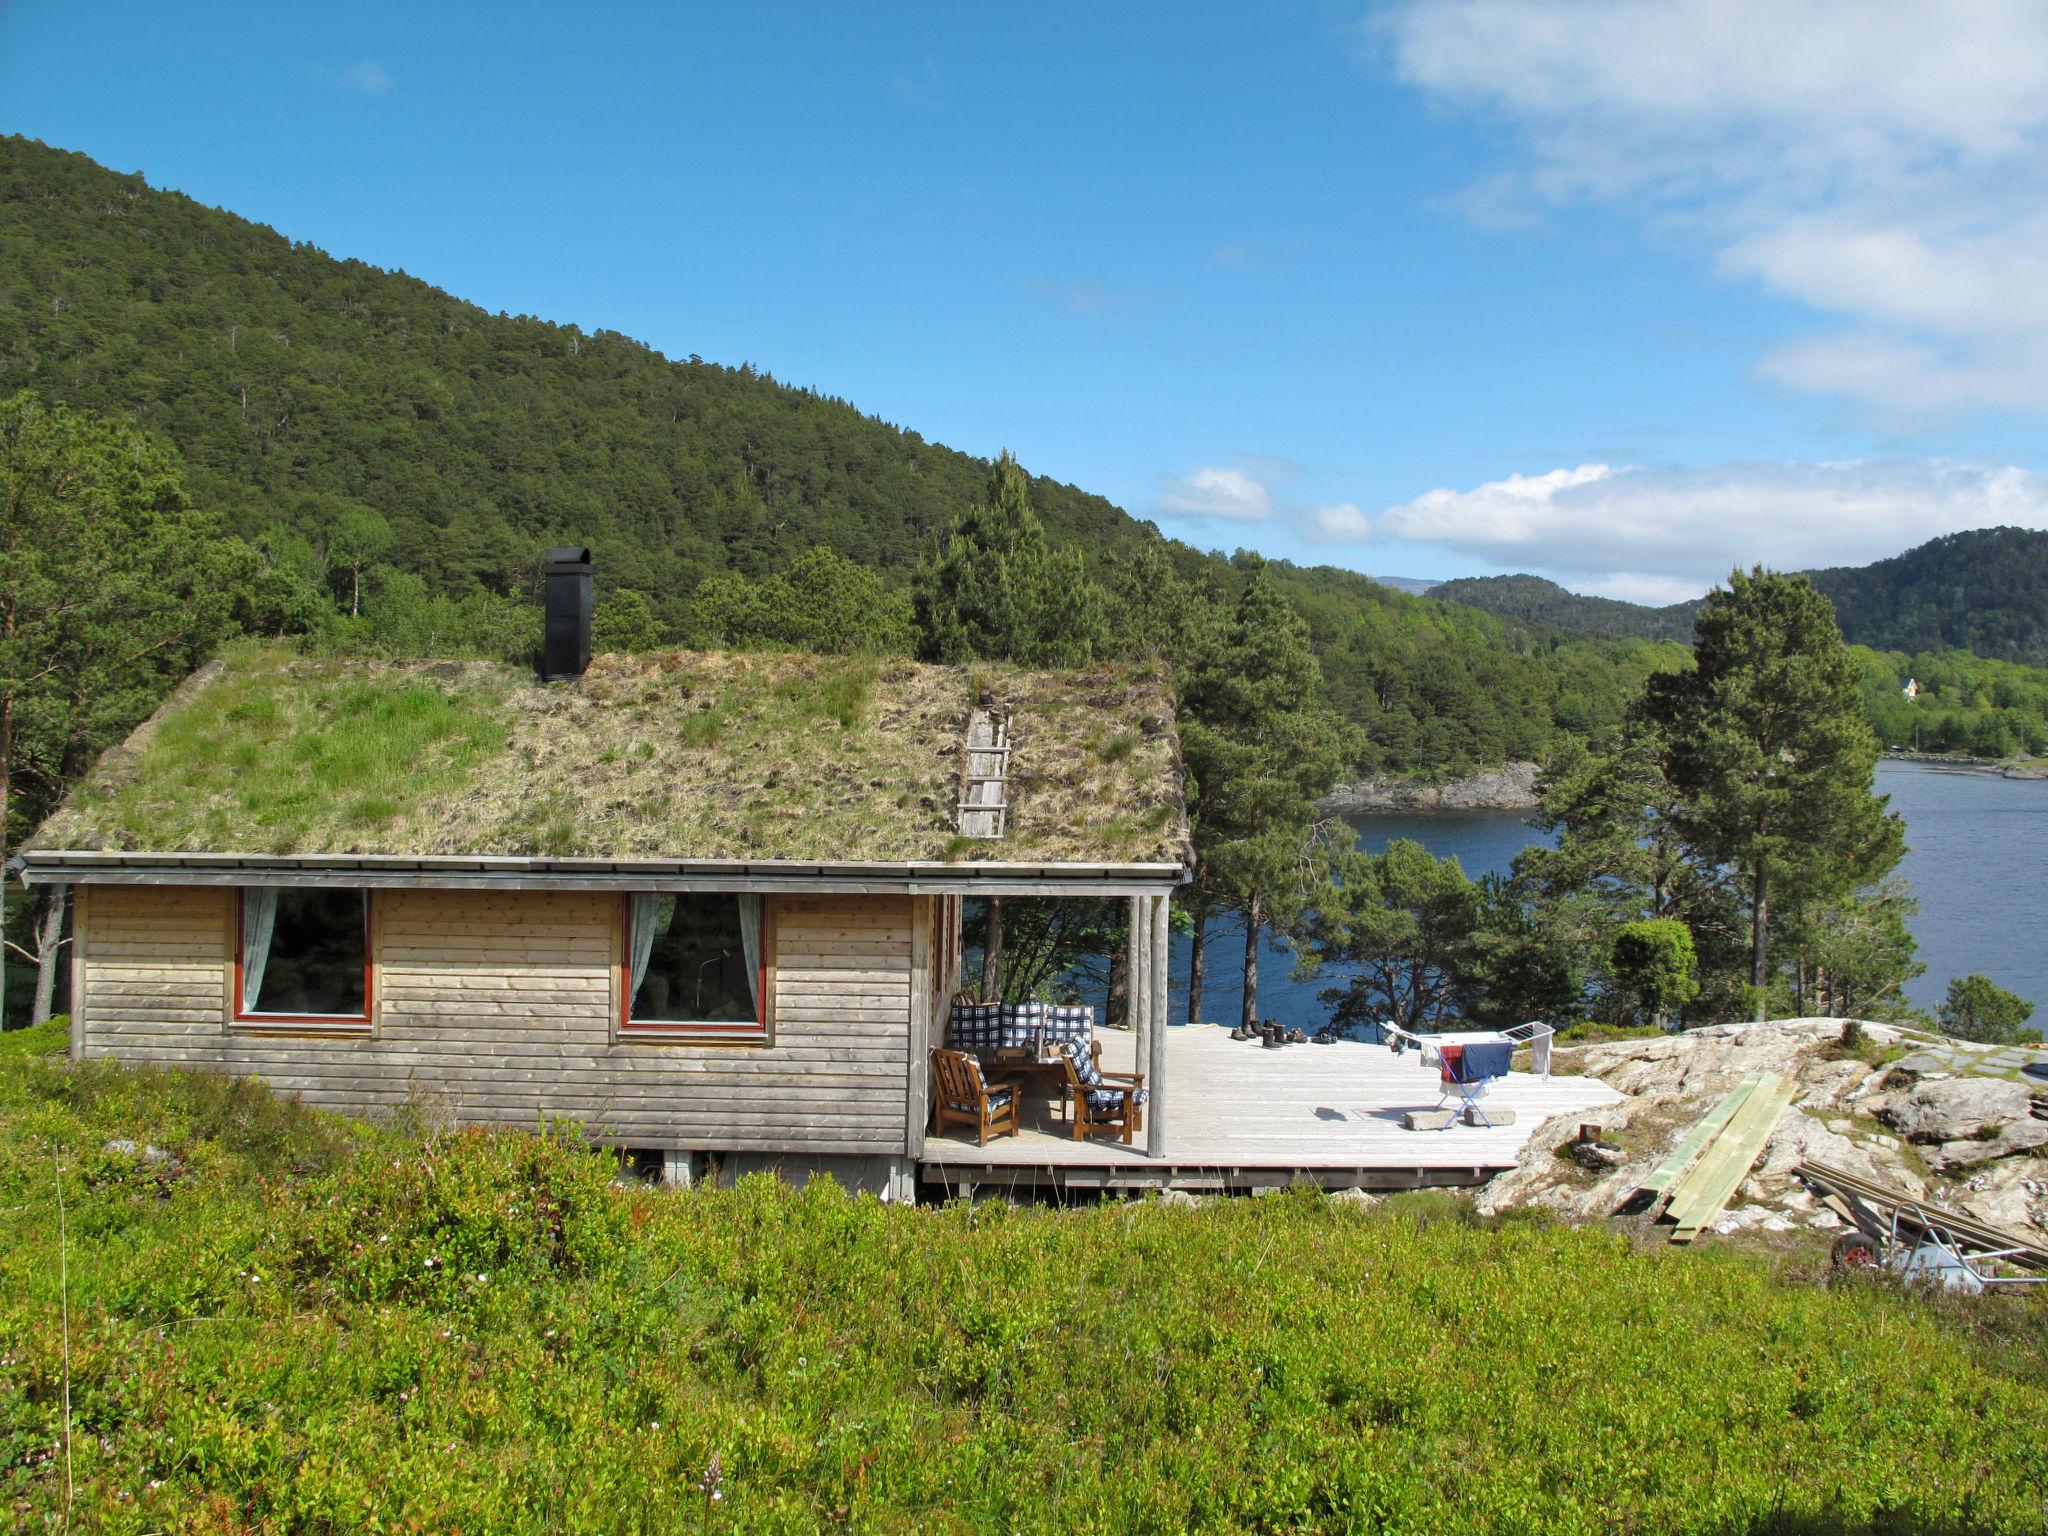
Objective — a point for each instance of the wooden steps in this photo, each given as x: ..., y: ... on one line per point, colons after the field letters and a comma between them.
x: 984, y: 787
x: 1726, y: 1158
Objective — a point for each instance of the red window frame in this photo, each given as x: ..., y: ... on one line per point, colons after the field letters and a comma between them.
x: 353, y: 1022
x: 709, y: 1029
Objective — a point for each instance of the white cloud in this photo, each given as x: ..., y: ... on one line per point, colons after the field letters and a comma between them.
x: 1343, y: 523
x: 1881, y: 160
x: 1235, y: 256
x: 1216, y: 491
x: 1662, y: 534
x: 1088, y: 297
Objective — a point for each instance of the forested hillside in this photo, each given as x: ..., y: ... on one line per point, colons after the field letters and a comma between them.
x: 354, y: 422
x: 1984, y: 591
x: 1535, y: 600
x: 296, y: 385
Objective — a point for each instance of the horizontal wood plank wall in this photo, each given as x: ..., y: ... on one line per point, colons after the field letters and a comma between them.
x: 502, y: 1006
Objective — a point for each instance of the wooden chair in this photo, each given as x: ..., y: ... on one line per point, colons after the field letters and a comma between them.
x: 1103, y: 1103
x: 961, y: 1096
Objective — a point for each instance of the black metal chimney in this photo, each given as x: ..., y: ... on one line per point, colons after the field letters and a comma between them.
x: 565, y: 646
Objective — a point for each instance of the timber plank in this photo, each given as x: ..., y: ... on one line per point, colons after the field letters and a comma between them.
x: 1711, y: 1125
x: 1703, y: 1192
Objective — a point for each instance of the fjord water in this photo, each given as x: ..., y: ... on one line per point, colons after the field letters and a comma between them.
x: 1977, y: 857
x: 1977, y: 854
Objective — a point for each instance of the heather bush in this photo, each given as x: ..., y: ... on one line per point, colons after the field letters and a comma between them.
x: 257, y: 1348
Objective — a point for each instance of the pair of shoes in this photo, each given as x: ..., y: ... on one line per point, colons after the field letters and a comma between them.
x: 1297, y: 1037
x: 1239, y: 1032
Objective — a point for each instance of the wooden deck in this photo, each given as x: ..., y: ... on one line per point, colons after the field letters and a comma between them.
x: 1239, y: 1116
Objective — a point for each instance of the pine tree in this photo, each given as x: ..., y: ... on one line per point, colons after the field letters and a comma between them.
x: 1977, y: 1008
x: 1407, y: 927
x: 1261, y: 746
x: 1769, y: 750
x: 111, y: 588
x: 996, y: 589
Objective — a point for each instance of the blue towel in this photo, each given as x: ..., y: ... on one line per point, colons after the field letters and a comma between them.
x: 1488, y: 1060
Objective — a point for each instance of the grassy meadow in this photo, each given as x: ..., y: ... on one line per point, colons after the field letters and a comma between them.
x: 281, y: 1321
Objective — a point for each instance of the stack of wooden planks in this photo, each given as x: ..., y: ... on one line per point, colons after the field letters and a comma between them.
x: 1872, y: 1205
x: 1705, y: 1169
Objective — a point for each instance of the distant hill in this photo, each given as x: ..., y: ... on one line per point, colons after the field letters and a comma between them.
x: 1535, y: 600
x: 285, y: 375
x: 1416, y: 586
x: 1984, y: 591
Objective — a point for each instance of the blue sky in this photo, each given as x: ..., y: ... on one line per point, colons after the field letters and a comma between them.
x: 1623, y: 292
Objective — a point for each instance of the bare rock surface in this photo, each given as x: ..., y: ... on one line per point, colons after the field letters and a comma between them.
x: 1961, y: 1155
x: 2012, y: 1194
x: 1509, y: 788
x: 1964, y: 1141
x: 1956, y: 1109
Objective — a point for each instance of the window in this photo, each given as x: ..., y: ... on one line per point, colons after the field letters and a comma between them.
x: 693, y: 964
x: 304, y: 954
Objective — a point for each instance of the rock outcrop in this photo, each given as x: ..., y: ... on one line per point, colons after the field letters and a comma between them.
x: 1509, y: 788
x: 1955, y: 1109
x: 1962, y: 1140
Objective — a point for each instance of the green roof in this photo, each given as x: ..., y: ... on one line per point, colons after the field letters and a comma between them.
x: 670, y: 755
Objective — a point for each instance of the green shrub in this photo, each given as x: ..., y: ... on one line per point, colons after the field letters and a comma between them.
x: 1977, y: 1008
x: 1654, y: 964
x: 251, y: 1348
x: 436, y: 1223
x: 53, y: 1034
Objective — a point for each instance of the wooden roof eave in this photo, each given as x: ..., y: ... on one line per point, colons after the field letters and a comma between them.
x: 512, y: 872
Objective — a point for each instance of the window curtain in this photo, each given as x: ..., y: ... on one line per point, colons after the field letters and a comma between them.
x: 259, y: 922
x: 750, y: 943
x: 645, y: 910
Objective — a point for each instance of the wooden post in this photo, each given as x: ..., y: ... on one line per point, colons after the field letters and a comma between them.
x: 78, y: 920
x: 1136, y: 972
x: 916, y: 1108
x: 1155, y: 1064
x: 992, y: 954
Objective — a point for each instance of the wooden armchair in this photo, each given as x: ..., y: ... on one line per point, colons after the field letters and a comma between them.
x: 1103, y: 1103
x: 960, y: 1096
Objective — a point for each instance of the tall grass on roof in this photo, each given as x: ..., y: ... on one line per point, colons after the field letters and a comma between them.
x: 295, y: 749
x: 662, y: 755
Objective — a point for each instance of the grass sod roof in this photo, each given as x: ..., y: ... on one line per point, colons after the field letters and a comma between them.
x: 681, y: 755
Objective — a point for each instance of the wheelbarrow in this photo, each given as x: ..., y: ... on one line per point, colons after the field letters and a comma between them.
x: 1895, y: 1232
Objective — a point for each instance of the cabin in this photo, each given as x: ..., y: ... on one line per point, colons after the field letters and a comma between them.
x: 710, y: 907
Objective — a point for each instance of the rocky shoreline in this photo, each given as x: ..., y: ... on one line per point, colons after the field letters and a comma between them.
x: 1511, y: 787
x: 2004, y: 767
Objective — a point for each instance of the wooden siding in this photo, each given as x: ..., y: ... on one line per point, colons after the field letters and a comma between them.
x: 503, y: 1007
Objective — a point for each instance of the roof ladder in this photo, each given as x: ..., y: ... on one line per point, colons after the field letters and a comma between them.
x: 984, y: 786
